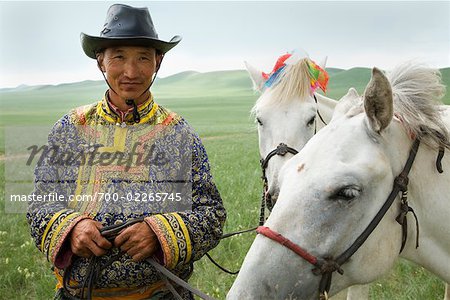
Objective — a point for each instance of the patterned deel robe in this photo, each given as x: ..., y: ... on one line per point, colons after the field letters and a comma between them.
x: 185, y: 233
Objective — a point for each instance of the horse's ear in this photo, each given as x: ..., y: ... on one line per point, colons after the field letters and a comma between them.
x: 256, y: 76
x: 347, y: 102
x: 323, y: 62
x: 378, y: 101
x: 352, y: 92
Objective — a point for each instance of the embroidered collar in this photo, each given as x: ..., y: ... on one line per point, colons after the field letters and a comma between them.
x: 113, y: 114
x: 117, y: 111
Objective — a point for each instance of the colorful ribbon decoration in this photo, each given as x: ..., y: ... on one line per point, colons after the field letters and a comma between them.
x: 318, y: 76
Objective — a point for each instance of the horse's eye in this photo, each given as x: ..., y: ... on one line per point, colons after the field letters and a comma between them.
x: 259, y: 121
x: 311, y: 122
x: 346, y: 193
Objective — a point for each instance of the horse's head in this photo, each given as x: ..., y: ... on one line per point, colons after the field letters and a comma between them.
x: 330, y: 192
x: 286, y: 111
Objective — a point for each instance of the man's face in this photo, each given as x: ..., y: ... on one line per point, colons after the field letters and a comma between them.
x: 129, y: 70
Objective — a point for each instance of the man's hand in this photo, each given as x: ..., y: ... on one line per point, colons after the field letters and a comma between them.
x: 86, y: 240
x: 138, y: 240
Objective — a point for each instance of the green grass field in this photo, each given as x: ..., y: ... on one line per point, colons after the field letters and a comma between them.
x: 217, y: 105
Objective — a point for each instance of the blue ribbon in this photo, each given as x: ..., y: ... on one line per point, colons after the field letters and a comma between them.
x: 274, y: 77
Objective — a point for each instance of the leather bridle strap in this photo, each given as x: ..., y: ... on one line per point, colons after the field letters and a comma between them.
x: 318, y: 112
x: 169, y: 275
x: 327, y: 265
x: 282, y: 149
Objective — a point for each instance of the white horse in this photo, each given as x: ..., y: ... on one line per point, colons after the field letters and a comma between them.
x: 336, y: 185
x: 289, y: 112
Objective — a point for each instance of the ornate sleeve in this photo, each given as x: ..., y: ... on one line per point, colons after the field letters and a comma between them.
x: 50, y: 218
x: 186, y: 236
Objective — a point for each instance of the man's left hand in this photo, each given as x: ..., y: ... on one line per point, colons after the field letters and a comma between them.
x: 138, y: 240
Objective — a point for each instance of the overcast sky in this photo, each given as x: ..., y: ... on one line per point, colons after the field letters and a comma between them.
x: 40, y: 41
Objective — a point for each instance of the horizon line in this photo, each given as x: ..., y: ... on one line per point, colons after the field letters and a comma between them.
x: 55, y: 84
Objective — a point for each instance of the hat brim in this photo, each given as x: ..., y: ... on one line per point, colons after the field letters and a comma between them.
x: 94, y: 44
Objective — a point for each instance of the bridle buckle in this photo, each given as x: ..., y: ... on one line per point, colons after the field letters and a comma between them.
x: 282, y: 149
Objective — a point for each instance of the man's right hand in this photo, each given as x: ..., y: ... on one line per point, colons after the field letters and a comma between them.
x: 86, y: 240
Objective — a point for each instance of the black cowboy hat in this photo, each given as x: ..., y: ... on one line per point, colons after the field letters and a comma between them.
x: 126, y: 26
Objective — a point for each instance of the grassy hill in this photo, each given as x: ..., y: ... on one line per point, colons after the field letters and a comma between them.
x: 446, y: 79
x: 340, y: 82
x: 333, y: 71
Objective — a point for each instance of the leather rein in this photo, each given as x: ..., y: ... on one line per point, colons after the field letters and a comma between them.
x: 327, y: 265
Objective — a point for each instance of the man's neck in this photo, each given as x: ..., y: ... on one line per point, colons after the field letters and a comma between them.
x: 120, y: 103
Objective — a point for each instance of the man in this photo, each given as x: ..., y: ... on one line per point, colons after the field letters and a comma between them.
x: 124, y: 158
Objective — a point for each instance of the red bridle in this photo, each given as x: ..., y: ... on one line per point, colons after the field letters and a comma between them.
x: 279, y: 238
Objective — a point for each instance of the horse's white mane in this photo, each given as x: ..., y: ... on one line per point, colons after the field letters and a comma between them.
x: 293, y: 83
x: 418, y: 91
